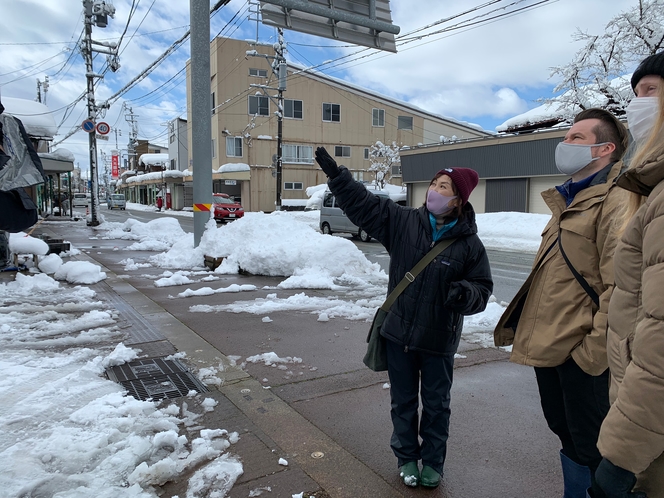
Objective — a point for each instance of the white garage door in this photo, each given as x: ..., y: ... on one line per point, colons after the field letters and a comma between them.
x: 538, y: 185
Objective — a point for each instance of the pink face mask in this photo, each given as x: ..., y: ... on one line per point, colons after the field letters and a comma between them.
x: 437, y: 204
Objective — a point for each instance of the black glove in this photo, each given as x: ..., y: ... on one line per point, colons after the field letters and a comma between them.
x: 457, y: 296
x: 615, y: 482
x: 326, y: 163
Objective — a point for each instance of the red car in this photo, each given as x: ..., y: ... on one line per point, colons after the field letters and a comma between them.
x: 226, y: 209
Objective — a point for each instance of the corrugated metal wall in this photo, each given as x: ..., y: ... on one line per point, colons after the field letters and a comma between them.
x: 504, y: 160
x: 506, y: 195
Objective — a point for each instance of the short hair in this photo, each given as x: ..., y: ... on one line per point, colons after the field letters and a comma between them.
x: 610, y: 129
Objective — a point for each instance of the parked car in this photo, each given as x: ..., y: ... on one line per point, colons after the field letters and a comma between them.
x: 81, y: 200
x: 333, y: 219
x: 116, y: 201
x: 225, y: 208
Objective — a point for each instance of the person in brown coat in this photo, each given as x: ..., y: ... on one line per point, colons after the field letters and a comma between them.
x: 631, y: 439
x: 557, y: 320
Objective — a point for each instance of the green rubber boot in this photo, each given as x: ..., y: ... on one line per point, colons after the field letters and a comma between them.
x: 410, y: 474
x: 430, y: 478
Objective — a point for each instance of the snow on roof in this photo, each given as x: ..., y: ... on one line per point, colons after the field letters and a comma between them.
x: 231, y: 167
x: 37, y: 119
x: 153, y: 159
x: 559, y: 109
x: 157, y: 175
x: 58, y: 155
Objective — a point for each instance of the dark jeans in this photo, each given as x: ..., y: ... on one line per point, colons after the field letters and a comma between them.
x: 574, y: 405
x: 406, y: 370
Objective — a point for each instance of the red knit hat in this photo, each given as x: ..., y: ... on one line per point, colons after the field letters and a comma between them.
x: 465, y: 180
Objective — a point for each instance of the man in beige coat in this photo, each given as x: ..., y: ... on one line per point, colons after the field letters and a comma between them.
x: 557, y: 321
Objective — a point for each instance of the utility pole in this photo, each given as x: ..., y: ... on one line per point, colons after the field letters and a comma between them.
x: 95, y: 12
x: 130, y: 117
x: 201, y: 112
x: 279, y: 68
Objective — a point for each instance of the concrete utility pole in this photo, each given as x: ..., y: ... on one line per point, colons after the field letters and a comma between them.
x: 201, y: 113
x: 95, y: 12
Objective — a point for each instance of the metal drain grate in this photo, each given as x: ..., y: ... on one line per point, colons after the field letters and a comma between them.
x: 155, y: 379
x: 174, y: 385
x: 147, y: 368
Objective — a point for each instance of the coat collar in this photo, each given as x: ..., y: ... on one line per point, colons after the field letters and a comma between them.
x: 644, y: 178
x: 598, y: 188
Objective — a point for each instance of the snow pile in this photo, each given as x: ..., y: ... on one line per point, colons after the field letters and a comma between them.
x: 511, y: 231
x: 79, y: 272
x: 156, y: 235
x: 277, y: 245
x: 21, y: 243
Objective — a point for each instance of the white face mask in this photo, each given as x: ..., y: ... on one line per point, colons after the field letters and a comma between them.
x: 641, y: 116
x: 572, y: 158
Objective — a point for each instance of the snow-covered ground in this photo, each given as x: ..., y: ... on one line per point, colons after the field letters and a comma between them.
x: 67, y: 431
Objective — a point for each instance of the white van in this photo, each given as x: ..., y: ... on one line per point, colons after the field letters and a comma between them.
x: 333, y: 219
x: 80, y: 200
x: 116, y: 201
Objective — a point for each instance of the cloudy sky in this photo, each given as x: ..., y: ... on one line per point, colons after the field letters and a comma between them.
x: 485, y: 73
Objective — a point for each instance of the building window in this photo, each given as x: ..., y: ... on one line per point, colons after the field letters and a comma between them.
x: 292, y: 185
x: 297, y: 154
x: 259, y: 105
x: 262, y: 73
x: 293, y: 109
x: 233, y: 146
x: 171, y: 139
x: 341, y: 151
x: 378, y: 117
x: 405, y: 123
x: 396, y: 169
x: 358, y: 175
x: 214, y: 148
x: 213, y: 104
x: 173, y: 164
x: 331, y: 112
x: 366, y: 153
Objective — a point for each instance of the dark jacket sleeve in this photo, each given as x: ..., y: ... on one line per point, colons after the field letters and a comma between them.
x: 378, y: 216
x: 471, y: 295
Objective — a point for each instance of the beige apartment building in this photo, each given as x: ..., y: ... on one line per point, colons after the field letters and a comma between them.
x: 318, y: 111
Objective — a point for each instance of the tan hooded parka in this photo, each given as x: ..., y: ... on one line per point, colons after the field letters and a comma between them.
x: 632, y: 435
x: 552, y: 317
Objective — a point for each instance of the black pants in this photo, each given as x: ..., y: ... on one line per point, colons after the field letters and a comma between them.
x: 574, y: 405
x: 435, y: 372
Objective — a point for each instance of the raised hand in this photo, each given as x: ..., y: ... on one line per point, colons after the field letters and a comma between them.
x: 326, y: 163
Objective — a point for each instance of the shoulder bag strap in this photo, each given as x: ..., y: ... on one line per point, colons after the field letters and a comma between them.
x: 586, y: 287
x: 409, y: 277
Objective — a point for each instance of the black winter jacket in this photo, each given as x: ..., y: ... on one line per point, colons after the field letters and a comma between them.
x: 428, y: 315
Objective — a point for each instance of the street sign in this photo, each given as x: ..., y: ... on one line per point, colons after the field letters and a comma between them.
x: 103, y: 128
x: 115, y: 166
x: 88, y: 125
x: 102, y: 137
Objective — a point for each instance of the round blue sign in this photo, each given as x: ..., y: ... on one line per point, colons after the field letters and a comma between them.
x: 88, y: 125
